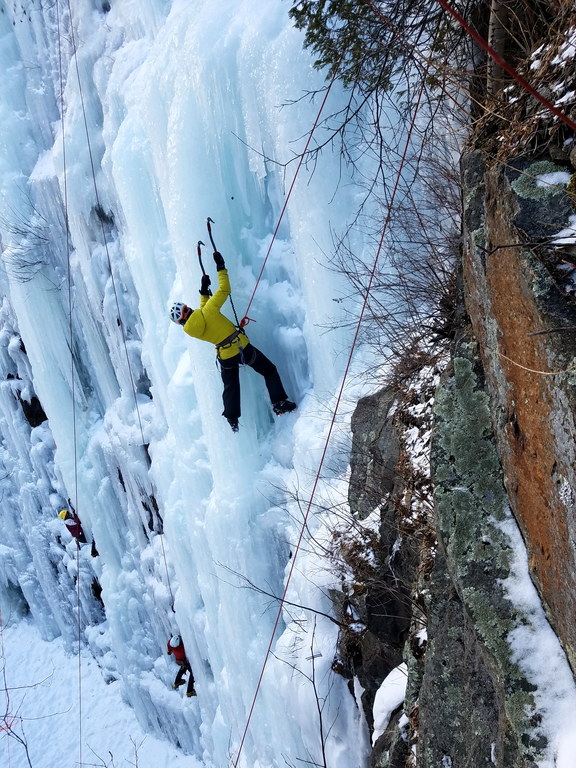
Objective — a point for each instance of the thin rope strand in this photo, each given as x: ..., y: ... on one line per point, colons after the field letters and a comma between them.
x: 333, y: 419
x: 113, y: 282
x: 7, y: 717
x: 534, y: 370
x: 72, y: 376
x: 246, y: 319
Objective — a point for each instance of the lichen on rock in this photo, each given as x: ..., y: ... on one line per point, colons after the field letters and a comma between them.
x: 470, y: 501
x: 526, y: 185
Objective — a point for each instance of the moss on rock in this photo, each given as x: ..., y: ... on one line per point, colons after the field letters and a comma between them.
x: 526, y: 185
x: 470, y: 500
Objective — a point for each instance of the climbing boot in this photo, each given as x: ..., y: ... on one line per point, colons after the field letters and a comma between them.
x: 283, y: 406
x: 233, y: 424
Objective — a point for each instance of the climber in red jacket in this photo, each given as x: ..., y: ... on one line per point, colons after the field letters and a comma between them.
x: 73, y: 524
x: 175, y: 647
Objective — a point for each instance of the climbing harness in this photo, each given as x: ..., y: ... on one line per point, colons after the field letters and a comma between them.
x: 241, y: 352
x: 228, y: 341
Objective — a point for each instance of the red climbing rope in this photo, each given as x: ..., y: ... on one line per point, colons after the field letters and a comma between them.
x: 481, y: 41
x: 245, y: 319
x: 333, y: 419
x: 554, y: 111
x: 505, y: 66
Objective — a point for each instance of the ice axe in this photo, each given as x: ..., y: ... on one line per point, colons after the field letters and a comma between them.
x: 199, y: 247
x: 200, y: 243
x: 208, y: 222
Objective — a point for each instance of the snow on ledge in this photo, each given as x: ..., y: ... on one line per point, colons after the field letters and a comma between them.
x: 388, y: 698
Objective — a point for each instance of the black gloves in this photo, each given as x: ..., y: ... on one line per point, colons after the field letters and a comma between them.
x: 204, y: 291
x: 219, y: 261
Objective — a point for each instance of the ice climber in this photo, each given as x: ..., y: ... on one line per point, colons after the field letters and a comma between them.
x: 72, y: 522
x: 232, y: 346
x: 176, y: 648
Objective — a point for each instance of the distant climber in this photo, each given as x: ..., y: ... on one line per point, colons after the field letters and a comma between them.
x: 74, y: 525
x: 72, y: 522
x: 175, y: 647
x: 232, y: 346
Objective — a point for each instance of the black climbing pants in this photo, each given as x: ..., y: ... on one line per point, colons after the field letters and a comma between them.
x: 185, y: 667
x: 230, y: 370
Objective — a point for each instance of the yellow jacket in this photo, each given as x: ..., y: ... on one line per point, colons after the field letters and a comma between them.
x: 209, y: 324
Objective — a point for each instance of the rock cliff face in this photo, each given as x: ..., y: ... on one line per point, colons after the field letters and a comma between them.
x: 504, y: 445
x: 503, y: 453
x: 510, y: 295
x: 487, y: 712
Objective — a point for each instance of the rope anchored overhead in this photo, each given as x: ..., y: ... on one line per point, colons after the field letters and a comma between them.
x: 505, y: 66
x: 245, y: 319
x: 366, y: 297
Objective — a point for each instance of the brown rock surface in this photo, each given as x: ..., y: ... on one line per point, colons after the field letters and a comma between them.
x: 509, y: 295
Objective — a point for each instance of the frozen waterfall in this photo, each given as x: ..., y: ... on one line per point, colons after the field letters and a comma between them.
x: 123, y: 126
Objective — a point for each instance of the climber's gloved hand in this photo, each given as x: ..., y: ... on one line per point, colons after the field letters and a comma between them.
x: 205, y: 284
x: 219, y: 261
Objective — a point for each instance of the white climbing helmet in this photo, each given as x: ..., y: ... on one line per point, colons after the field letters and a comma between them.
x: 175, y: 641
x: 177, y: 312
